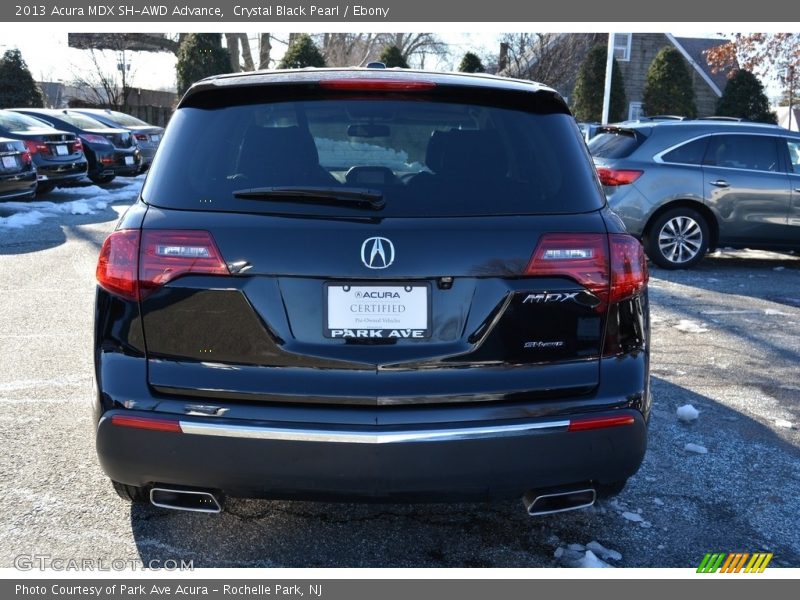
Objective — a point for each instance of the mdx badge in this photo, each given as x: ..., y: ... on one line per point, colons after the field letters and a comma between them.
x: 377, y: 253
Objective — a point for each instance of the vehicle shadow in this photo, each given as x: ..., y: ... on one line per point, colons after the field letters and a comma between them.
x: 679, y: 506
x: 42, y: 224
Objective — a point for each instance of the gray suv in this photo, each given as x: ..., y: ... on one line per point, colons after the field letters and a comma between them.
x: 690, y: 186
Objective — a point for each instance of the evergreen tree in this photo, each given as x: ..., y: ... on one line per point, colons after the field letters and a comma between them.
x: 302, y: 53
x: 471, y: 63
x: 587, y: 97
x: 392, y: 57
x: 17, y: 87
x: 668, y: 88
x: 200, y: 55
x: 744, y: 97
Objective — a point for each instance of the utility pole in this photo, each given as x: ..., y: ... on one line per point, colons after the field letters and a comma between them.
x: 609, y: 69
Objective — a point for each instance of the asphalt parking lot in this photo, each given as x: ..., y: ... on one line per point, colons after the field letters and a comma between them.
x: 726, y: 340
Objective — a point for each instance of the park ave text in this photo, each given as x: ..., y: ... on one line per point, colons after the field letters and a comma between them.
x: 250, y: 12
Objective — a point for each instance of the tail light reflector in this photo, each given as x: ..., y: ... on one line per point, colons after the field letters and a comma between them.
x: 134, y: 264
x: 377, y: 84
x: 615, y: 177
x: 147, y: 423
x: 77, y: 145
x: 142, y: 137
x: 26, y: 158
x: 589, y: 423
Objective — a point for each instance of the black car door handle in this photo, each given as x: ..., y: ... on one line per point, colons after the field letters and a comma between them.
x: 719, y: 183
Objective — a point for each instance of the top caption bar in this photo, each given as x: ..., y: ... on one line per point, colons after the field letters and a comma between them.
x: 388, y: 11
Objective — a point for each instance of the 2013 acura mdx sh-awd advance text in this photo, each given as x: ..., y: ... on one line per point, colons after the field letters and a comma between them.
x: 370, y: 284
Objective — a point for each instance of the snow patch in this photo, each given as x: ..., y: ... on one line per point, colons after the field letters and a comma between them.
x: 602, y: 551
x: 658, y: 502
x: 696, y: 448
x: 688, y: 326
x: 590, y: 561
x: 687, y: 413
x: 783, y: 423
x: 632, y: 516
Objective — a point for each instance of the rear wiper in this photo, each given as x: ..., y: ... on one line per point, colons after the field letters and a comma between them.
x: 358, y: 197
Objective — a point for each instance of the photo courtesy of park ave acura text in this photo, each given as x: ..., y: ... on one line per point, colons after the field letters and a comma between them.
x: 485, y: 296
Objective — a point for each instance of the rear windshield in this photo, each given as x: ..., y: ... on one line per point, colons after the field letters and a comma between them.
x: 124, y: 119
x: 80, y: 121
x: 616, y: 143
x: 17, y: 122
x: 424, y: 158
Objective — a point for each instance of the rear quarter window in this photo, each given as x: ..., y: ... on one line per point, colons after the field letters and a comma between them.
x: 426, y: 158
x: 690, y: 153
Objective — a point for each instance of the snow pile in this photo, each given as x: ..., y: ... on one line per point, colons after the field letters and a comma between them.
x: 632, y: 516
x: 687, y: 413
x: 591, y: 556
x: 696, y: 448
x: 688, y: 326
x: 783, y: 423
x: 658, y: 502
x: 85, y: 201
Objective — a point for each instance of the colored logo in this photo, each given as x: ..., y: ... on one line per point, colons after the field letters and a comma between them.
x: 735, y: 563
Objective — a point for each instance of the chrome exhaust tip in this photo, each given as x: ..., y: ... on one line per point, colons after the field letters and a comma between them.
x: 190, y: 500
x: 548, y: 502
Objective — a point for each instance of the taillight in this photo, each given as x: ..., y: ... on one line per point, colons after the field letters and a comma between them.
x: 118, y: 263
x: 615, y: 177
x: 133, y: 265
x: 612, y: 267
x: 26, y: 158
x: 582, y: 257
x: 142, y: 137
x: 168, y: 254
x: 377, y: 84
x: 36, y: 147
x: 628, y: 267
x: 77, y: 145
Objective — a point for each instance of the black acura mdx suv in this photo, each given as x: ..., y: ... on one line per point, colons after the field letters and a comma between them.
x: 369, y: 284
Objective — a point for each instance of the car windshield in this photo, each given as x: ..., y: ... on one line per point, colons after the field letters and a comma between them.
x: 16, y: 122
x: 424, y: 158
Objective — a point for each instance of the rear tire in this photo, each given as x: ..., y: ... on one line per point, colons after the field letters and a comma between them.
x: 45, y: 188
x: 131, y: 493
x: 678, y: 239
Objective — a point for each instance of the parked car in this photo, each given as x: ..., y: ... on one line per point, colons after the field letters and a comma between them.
x: 688, y: 187
x: 56, y: 154
x: 147, y: 136
x: 371, y: 284
x: 17, y: 173
x: 110, y: 151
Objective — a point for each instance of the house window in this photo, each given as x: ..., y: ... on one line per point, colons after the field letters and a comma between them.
x: 635, y: 111
x: 622, y: 46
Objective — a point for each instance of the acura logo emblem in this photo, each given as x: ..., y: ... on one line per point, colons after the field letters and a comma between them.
x: 377, y: 253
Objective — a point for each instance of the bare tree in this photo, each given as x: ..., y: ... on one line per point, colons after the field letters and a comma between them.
x: 264, y: 50
x: 102, y: 86
x: 347, y: 49
x: 415, y: 47
x: 549, y: 58
x: 232, y: 43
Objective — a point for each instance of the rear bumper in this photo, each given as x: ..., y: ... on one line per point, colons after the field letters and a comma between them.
x: 62, y: 172
x: 17, y: 185
x: 438, y: 462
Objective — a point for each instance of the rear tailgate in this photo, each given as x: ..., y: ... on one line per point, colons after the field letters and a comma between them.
x: 461, y: 278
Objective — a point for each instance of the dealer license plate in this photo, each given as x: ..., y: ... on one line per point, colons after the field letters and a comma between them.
x: 377, y: 311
